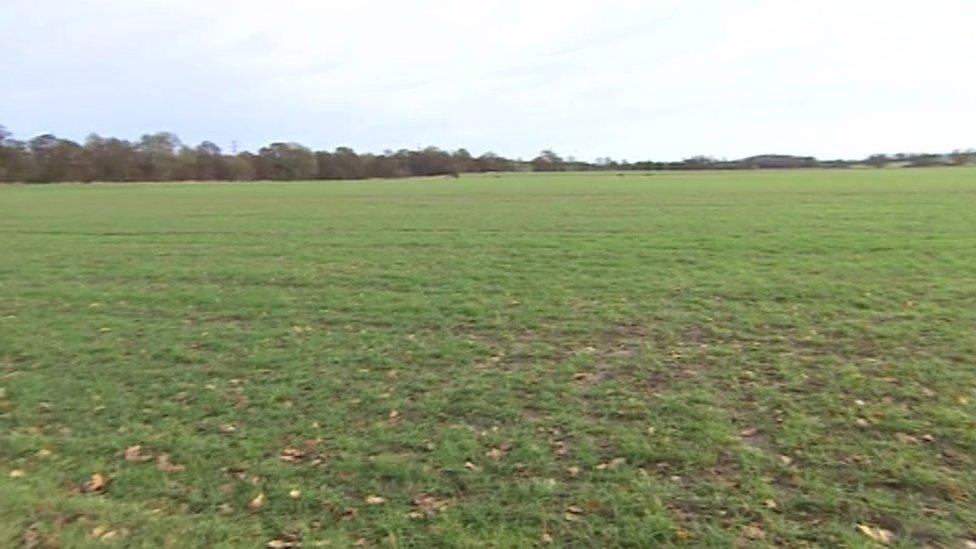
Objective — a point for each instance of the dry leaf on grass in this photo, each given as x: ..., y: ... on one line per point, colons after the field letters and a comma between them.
x: 905, y: 438
x: 17, y: 473
x: 285, y: 541
x: 165, y: 465
x: 31, y: 537
x: 97, y: 483
x: 135, y: 454
x: 613, y: 464
x: 499, y: 451
x: 574, y: 513
x: 295, y: 493
x: 427, y: 506
x: 876, y: 533
x: 582, y: 377
x: 257, y: 502
x: 560, y: 448
x: 375, y: 500
x: 753, y: 532
x: 292, y: 455
x: 103, y: 533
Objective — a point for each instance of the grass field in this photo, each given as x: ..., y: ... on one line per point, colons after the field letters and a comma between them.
x: 781, y: 358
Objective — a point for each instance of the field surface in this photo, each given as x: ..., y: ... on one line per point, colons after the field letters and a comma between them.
x: 779, y: 358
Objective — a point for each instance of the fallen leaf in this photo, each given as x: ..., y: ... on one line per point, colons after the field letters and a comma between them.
x: 753, y: 532
x: 393, y: 416
x: 285, y: 541
x: 682, y: 535
x: 613, y: 464
x: 17, y: 473
x: 876, y: 533
x: 573, y: 471
x: 470, y: 466
x: 31, y: 537
x: 427, y: 506
x: 574, y: 513
x: 785, y: 460
x: 770, y: 504
x: 560, y: 448
x: 226, y: 428
x: 749, y: 432
x: 257, y: 502
x: 292, y: 455
x: 165, y: 465
x: 97, y: 483
x: 499, y: 451
x: 295, y: 493
x: 134, y: 454
x: 103, y: 533
x: 375, y: 500
x: 905, y: 438
x: 546, y: 538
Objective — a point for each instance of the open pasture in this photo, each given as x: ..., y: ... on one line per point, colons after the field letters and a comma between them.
x: 783, y: 358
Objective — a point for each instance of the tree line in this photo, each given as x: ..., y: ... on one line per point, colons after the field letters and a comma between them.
x: 163, y: 157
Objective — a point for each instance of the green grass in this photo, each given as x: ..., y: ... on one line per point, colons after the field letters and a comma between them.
x: 592, y: 359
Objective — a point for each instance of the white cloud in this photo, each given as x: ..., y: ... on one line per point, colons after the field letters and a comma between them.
x: 658, y: 80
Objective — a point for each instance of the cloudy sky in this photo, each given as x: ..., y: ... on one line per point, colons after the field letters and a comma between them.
x: 645, y: 79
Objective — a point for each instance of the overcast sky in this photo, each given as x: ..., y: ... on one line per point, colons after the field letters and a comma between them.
x: 657, y: 80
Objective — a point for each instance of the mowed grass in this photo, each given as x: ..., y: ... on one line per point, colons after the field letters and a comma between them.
x: 584, y: 360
